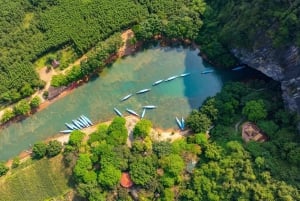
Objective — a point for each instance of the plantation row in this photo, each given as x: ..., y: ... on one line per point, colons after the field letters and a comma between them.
x: 32, y: 28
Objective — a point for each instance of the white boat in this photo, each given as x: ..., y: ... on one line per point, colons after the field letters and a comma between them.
x: 157, y: 82
x: 171, y: 78
x: 143, y: 114
x: 118, y: 112
x: 74, y: 126
x: 207, y: 71
x: 143, y: 91
x: 66, y: 131
x: 182, y: 122
x: 70, y: 126
x: 184, y: 74
x: 238, y: 68
x: 149, y: 107
x: 179, y: 123
x: 132, y: 112
x: 87, y: 119
x: 83, y: 122
x: 84, y: 119
x: 77, y: 124
x: 126, y: 97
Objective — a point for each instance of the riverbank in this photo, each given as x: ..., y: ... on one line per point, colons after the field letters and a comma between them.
x: 157, y: 134
x: 126, y: 49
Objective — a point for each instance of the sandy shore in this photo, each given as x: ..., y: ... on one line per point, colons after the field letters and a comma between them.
x: 156, y: 134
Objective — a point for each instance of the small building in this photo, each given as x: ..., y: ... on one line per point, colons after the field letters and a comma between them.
x: 126, y: 181
x: 55, y: 63
x: 251, y: 132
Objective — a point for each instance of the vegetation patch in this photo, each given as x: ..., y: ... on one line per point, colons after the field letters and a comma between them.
x: 39, y: 180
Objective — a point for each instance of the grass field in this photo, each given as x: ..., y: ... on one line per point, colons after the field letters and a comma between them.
x: 65, y: 56
x: 39, y: 180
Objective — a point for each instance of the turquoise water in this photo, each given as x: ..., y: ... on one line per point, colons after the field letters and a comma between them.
x: 97, y: 98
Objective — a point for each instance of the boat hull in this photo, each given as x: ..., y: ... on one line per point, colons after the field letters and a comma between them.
x: 149, y: 107
x: 118, y: 112
x: 126, y: 97
x: 171, y: 78
x: 132, y: 112
x: 142, y: 91
x: 157, y: 82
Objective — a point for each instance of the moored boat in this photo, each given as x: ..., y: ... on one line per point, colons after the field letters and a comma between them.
x: 70, y: 126
x: 179, y: 123
x: 87, y: 119
x: 171, y: 78
x: 143, y: 114
x: 77, y: 124
x: 143, y: 91
x: 207, y: 71
x: 149, y: 107
x: 80, y: 123
x: 132, y: 112
x: 126, y: 97
x: 118, y: 112
x: 184, y: 74
x: 182, y: 122
x: 85, y: 124
x: 157, y: 82
x: 66, y: 131
x: 238, y: 68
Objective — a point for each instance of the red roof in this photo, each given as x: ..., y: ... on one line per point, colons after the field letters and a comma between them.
x: 125, y: 180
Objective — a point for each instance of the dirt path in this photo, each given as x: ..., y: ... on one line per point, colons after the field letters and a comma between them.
x: 47, y: 75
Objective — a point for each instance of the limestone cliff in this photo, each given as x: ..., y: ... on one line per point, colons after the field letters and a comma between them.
x: 281, y: 64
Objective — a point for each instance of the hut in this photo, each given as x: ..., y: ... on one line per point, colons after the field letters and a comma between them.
x: 126, y: 180
x: 251, y: 132
x: 55, y: 63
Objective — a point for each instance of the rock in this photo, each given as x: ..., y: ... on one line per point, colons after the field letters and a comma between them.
x: 281, y: 64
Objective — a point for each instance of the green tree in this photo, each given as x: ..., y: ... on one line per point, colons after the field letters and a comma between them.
x: 208, y: 108
x: 109, y: 176
x: 198, y: 122
x: 268, y: 127
x: 142, y: 170
x: 117, y: 132
x: 142, y: 129
x: 26, y: 90
x: 213, y: 151
x: 39, y: 150
x: 22, y: 108
x: 76, y: 138
x: 172, y: 164
x: 53, y: 148
x: 201, y: 138
x: 255, y: 110
x: 16, y: 162
x: 82, y: 167
x: 35, y: 102
x: 99, y: 135
x: 162, y: 148
x: 3, y: 169
x: 7, y: 115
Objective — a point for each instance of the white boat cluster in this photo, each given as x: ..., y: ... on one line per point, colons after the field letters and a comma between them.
x: 181, y: 124
x: 77, y: 124
x: 146, y: 107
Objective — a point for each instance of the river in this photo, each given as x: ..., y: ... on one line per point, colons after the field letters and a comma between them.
x: 97, y: 98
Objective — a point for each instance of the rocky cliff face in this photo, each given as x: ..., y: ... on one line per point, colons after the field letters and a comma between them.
x: 282, y: 64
